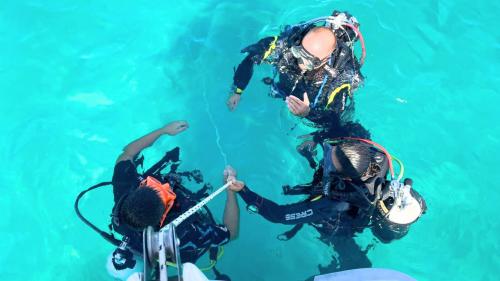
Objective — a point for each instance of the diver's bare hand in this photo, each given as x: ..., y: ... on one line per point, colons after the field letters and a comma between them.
x: 175, y: 127
x: 233, y: 101
x: 307, y: 146
x: 235, y: 185
x: 297, y: 106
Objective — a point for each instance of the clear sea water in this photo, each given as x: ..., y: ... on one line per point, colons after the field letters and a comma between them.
x: 81, y: 79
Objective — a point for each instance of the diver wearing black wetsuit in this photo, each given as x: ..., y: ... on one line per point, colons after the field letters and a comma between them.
x: 152, y: 200
x: 156, y: 197
x: 329, y: 88
x: 197, y: 234
x: 343, y: 199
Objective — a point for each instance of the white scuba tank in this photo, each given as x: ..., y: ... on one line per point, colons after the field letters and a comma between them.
x: 406, y: 208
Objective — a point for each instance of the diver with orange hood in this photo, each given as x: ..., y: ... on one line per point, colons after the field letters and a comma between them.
x: 157, y: 197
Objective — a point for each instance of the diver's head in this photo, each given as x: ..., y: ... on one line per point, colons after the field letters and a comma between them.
x: 142, y: 207
x: 316, y: 48
x: 354, y: 160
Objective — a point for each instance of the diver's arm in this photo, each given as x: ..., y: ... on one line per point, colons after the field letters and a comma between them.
x: 256, y: 53
x: 243, y: 74
x: 241, y: 78
x: 135, y: 147
x: 302, y: 212
x: 232, y: 215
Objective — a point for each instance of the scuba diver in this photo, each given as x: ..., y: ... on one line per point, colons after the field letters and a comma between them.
x: 349, y: 193
x: 155, y: 198
x: 315, y: 69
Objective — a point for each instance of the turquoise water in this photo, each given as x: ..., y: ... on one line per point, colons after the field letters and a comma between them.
x: 80, y: 79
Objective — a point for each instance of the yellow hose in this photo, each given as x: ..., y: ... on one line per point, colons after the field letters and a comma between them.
x: 214, y: 262
x: 401, y: 167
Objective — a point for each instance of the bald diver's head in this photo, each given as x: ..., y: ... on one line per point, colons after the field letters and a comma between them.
x: 319, y: 42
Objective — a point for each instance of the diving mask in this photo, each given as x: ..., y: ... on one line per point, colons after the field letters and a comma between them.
x: 307, y: 59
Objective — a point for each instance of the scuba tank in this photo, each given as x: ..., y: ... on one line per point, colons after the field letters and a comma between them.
x: 401, y: 208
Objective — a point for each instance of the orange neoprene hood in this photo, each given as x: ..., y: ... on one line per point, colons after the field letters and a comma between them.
x: 165, y: 192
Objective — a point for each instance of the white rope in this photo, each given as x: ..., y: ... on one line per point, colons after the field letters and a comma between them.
x: 200, y: 205
x: 216, y: 129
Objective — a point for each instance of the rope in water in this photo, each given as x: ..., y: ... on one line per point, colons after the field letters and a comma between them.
x: 216, y: 129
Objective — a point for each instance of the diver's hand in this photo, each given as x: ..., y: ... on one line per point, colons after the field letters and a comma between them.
x: 233, y: 101
x: 308, y: 150
x: 175, y: 127
x: 297, y: 106
x: 308, y: 146
x: 235, y: 185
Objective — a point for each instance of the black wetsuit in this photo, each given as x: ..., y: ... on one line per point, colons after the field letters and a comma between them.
x: 196, y: 235
x: 336, y: 221
x: 329, y: 88
x: 302, y: 212
x: 324, y: 212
